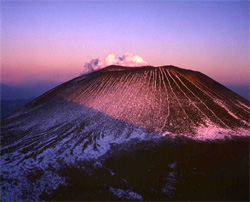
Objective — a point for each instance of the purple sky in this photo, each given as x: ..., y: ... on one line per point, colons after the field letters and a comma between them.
x: 50, y: 41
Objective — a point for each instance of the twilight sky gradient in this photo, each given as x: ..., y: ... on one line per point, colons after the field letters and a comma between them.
x: 50, y: 41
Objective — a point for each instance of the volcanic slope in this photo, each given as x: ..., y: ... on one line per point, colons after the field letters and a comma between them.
x: 82, y: 118
x: 164, y: 100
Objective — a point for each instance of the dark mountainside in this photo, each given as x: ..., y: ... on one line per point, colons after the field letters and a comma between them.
x: 121, y: 133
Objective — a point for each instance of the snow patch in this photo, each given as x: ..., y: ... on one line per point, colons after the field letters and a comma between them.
x: 111, y: 172
x: 229, y: 112
x: 125, y: 194
x: 213, y: 132
x: 242, y: 104
x: 173, y: 165
x: 169, y: 188
x: 210, y: 131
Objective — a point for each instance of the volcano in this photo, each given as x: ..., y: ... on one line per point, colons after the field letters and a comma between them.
x: 129, y: 133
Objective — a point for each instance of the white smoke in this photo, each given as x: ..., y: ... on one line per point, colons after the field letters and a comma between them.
x: 128, y: 59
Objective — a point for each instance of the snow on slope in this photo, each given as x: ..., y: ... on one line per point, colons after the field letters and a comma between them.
x: 42, y: 154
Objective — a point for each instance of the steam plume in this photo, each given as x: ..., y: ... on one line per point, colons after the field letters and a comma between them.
x: 128, y: 59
